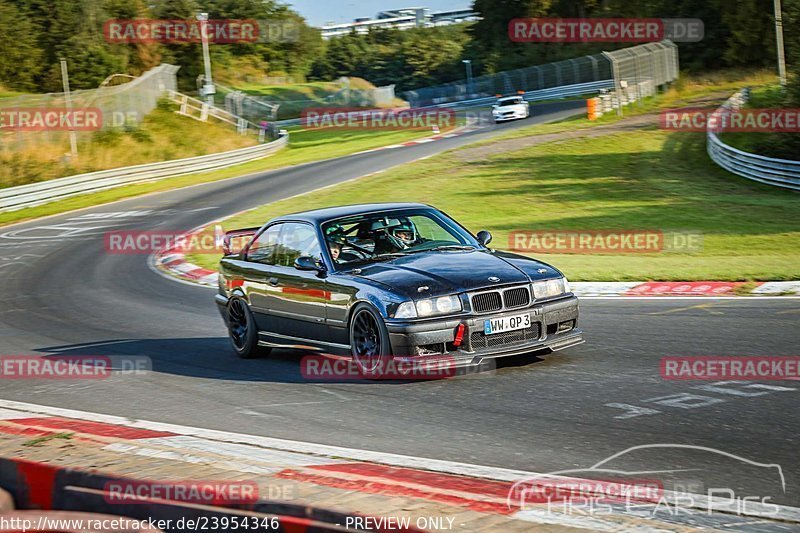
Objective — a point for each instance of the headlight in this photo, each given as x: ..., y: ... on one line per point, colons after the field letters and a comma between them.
x: 438, y: 306
x: 432, y: 306
x: 406, y: 310
x: 550, y: 288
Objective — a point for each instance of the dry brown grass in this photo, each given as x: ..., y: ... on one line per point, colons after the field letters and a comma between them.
x: 163, y: 135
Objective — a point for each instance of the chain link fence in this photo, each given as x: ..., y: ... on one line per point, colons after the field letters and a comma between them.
x: 258, y: 109
x: 651, y: 65
x: 120, y: 105
x: 638, y: 71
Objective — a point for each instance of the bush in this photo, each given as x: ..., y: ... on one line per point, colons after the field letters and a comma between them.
x: 165, y: 104
x: 107, y: 137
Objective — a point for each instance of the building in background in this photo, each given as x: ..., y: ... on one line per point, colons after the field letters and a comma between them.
x: 410, y: 17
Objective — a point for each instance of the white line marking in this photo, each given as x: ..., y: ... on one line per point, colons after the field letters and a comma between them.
x: 6, y: 414
x: 583, y: 522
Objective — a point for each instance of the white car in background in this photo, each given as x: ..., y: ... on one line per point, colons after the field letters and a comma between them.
x: 510, y: 108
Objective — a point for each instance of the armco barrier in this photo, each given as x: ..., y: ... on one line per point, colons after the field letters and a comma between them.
x: 45, y: 487
x: 564, y: 91
x: 14, y: 198
x: 778, y: 172
x: 530, y: 96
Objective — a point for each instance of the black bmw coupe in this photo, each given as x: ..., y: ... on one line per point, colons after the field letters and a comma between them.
x: 400, y: 280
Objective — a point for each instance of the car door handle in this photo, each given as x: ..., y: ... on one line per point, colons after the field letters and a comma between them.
x: 273, y: 281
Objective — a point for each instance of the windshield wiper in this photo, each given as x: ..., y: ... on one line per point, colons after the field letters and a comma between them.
x: 390, y: 255
x: 452, y: 247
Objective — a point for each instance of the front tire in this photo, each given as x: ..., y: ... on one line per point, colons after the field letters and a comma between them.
x: 369, y: 342
x: 242, y: 330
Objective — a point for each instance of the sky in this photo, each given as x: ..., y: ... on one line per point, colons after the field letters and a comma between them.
x: 319, y: 12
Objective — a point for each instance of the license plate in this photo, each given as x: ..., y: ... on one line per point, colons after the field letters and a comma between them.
x: 506, y: 323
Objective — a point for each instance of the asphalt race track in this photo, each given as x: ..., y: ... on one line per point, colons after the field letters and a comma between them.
x: 62, y: 294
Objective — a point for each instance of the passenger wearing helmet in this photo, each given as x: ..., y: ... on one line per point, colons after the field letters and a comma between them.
x: 336, y: 239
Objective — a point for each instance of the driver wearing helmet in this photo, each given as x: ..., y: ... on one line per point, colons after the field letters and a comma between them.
x: 402, y: 235
x: 336, y: 239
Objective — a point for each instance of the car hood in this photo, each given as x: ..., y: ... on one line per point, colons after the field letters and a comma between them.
x: 448, y: 272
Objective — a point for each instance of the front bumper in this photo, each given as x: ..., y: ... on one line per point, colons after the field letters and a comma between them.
x: 516, y: 115
x: 553, y: 327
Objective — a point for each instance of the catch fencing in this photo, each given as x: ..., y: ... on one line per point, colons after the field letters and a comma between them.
x: 121, y: 105
x: 772, y: 171
x: 258, y: 109
x: 639, y: 70
x: 644, y: 67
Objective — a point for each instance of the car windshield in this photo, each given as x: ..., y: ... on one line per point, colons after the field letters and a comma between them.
x: 388, y: 235
x: 513, y: 101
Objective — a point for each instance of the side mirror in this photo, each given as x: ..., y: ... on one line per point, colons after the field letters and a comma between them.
x: 306, y: 262
x: 484, y: 237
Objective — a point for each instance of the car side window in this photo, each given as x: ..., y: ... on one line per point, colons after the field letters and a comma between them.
x: 295, y: 240
x: 263, y: 248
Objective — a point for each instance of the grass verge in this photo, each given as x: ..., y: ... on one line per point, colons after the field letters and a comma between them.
x: 643, y: 180
x: 163, y: 135
x: 305, y: 146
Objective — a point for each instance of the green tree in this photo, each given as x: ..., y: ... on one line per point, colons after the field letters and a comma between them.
x: 490, y: 48
x: 752, y: 37
x: 189, y: 56
x: 20, y: 55
x: 75, y: 32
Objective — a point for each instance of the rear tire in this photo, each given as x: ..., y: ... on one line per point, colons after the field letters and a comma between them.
x: 242, y: 330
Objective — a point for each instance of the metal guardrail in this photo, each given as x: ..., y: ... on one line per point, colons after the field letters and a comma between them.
x: 533, y: 96
x: 14, y: 198
x: 530, y: 96
x: 778, y: 172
